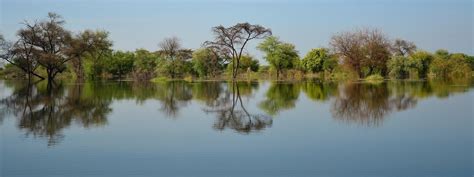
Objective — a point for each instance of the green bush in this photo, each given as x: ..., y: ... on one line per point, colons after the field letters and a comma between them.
x: 374, y: 77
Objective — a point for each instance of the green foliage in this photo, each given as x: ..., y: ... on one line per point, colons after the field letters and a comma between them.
x: 144, y: 64
x: 415, y: 66
x: 318, y: 60
x: 450, y: 65
x: 420, y: 62
x: 206, y: 63
x: 119, y: 64
x: 442, y: 53
x: 279, y: 55
x: 173, y: 68
x: 330, y: 64
x: 247, y: 63
x: 160, y: 79
x: 470, y: 60
x: 176, y: 63
x: 398, y: 67
x: 374, y: 77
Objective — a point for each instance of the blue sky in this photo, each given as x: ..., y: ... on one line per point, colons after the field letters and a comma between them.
x: 431, y: 24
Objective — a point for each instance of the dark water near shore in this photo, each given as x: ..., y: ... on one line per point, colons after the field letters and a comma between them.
x: 245, y: 129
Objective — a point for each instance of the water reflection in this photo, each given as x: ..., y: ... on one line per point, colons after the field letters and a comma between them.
x: 231, y: 112
x: 365, y: 104
x: 280, y: 96
x: 368, y: 104
x: 41, y: 111
x: 44, y: 112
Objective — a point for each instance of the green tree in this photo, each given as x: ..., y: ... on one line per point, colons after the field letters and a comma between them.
x: 279, y: 55
x: 87, y: 45
x: 330, y: 64
x: 177, y: 60
x: 414, y: 66
x: 207, y: 63
x: 419, y: 63
x: 120, y: 63
x: 398, y: 67
x: 442, y: 53
x: 144, y: 64
x: 446, y: 65
x: 470, y: 59
x: 315, y: 59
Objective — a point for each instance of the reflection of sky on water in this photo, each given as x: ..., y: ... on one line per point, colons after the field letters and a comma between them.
x: 433, y: 137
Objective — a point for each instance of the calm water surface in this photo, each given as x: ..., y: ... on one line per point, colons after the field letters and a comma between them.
x: 245, y: 129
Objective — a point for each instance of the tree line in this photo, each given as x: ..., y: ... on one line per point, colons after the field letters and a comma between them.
x: 45, y: 50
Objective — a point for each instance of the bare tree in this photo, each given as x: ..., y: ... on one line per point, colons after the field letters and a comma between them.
x: 402, y: 47
x: 367, y: 49
x: 170, y: 47
x: 4, y: 47
x: 348, y: 46
x: 231, y: 41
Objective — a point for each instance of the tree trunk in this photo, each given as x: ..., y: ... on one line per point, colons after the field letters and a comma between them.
x: 50, y: 75
x: 78, y: 68
x: 278, y: 74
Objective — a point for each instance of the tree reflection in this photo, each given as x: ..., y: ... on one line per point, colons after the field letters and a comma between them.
x: 365, y: 104
x: 318, y: 90
x: 45, y: 111
x: 173, y: 96
x: 368, y: 104
x: 231, y: 112
x: 280, y: 96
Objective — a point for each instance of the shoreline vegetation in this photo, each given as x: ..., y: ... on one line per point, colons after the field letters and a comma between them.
x: 45, y: 50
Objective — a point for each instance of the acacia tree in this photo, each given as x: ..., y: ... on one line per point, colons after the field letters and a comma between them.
x: 231, y: 41
x: 50, y: 43
x: 92, y: 43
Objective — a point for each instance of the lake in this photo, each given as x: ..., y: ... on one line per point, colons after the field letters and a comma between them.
x: 311, y: 128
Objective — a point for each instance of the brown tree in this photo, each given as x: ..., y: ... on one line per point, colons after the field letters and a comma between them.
x: 365, y: 51
x: 231, y: 41
x: 49, y: 40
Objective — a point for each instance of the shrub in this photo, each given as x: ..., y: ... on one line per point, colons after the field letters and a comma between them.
x: 374, y: 77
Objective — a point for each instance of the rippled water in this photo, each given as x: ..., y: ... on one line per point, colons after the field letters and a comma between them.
x: 309, y: 128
